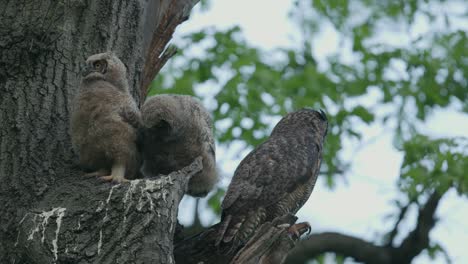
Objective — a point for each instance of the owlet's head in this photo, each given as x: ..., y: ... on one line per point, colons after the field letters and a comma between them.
x: 106, y: 67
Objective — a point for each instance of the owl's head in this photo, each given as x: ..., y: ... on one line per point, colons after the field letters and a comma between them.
x: 304, y: 119
x: 107, y: 67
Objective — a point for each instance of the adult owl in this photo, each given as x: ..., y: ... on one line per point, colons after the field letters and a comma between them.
x: 276, y: 178
x: 176, y: 129
x: 105, y: 120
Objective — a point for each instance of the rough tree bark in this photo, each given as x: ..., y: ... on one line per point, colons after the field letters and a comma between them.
x: 50, y: 213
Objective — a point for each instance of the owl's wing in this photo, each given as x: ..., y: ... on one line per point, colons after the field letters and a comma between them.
x: 269, y: 173
x: 131, y: 115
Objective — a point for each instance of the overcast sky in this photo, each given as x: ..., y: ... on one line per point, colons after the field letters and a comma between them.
x: 359, y: 204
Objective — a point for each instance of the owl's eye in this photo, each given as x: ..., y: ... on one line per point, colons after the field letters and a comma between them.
x: 100, y: 66
x: 97, y: 65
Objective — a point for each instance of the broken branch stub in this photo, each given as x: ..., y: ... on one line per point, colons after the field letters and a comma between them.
x: 270, y: 244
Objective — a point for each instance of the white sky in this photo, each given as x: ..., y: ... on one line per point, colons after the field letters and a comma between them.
x: 359, y: 204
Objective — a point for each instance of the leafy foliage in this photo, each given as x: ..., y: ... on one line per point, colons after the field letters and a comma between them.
x: 215, y: 200
x: 434, y: 164
x: 413, y: 73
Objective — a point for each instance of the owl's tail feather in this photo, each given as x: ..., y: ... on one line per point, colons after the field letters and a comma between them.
x: 231, y: 233
x: 235, y: 231
x: 226, y: 240
x: 222, y: 229
x: 244, y: 229
x: 228, y: 230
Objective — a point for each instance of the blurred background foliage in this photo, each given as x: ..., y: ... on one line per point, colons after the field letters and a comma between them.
x: 404, y: 80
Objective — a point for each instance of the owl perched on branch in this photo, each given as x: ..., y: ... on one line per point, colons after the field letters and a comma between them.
x: 276, y: 178
x: 175, y: 130
x: 105, y: 120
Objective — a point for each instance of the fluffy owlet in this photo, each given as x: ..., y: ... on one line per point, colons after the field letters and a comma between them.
x: 105, y: 120
x: 276, y: 178
x: 175, y: 130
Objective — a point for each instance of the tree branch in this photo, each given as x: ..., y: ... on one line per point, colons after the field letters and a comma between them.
x: 176, y: 13
x: 350, y: 246
x: 418, y: 239
x: 365, y: 251
x: 394, y: 231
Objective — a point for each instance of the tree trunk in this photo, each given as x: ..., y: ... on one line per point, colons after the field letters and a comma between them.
x: 49, y: 212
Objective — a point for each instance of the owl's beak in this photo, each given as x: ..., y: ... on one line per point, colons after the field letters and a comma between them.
x: 87, y: 69
x: 323, y: 115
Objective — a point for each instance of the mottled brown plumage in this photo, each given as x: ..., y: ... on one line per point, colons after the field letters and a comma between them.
x: 175, y: 130
x: 105, y: 120
x: 276, y: 178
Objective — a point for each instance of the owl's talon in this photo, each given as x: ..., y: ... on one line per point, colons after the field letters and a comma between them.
x: 286, y: 225
x: 299, y: 229
x: 111, y: 178
x: 117, y: 175
x: 97, y: 173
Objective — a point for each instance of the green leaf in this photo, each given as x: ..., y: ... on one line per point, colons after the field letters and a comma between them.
x: 214, y: 202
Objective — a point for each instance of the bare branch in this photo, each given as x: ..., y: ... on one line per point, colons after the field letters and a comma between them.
x: 350, y: 246
x: 394, y: 232
x: 366, y: 251
x: 418, y: 239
